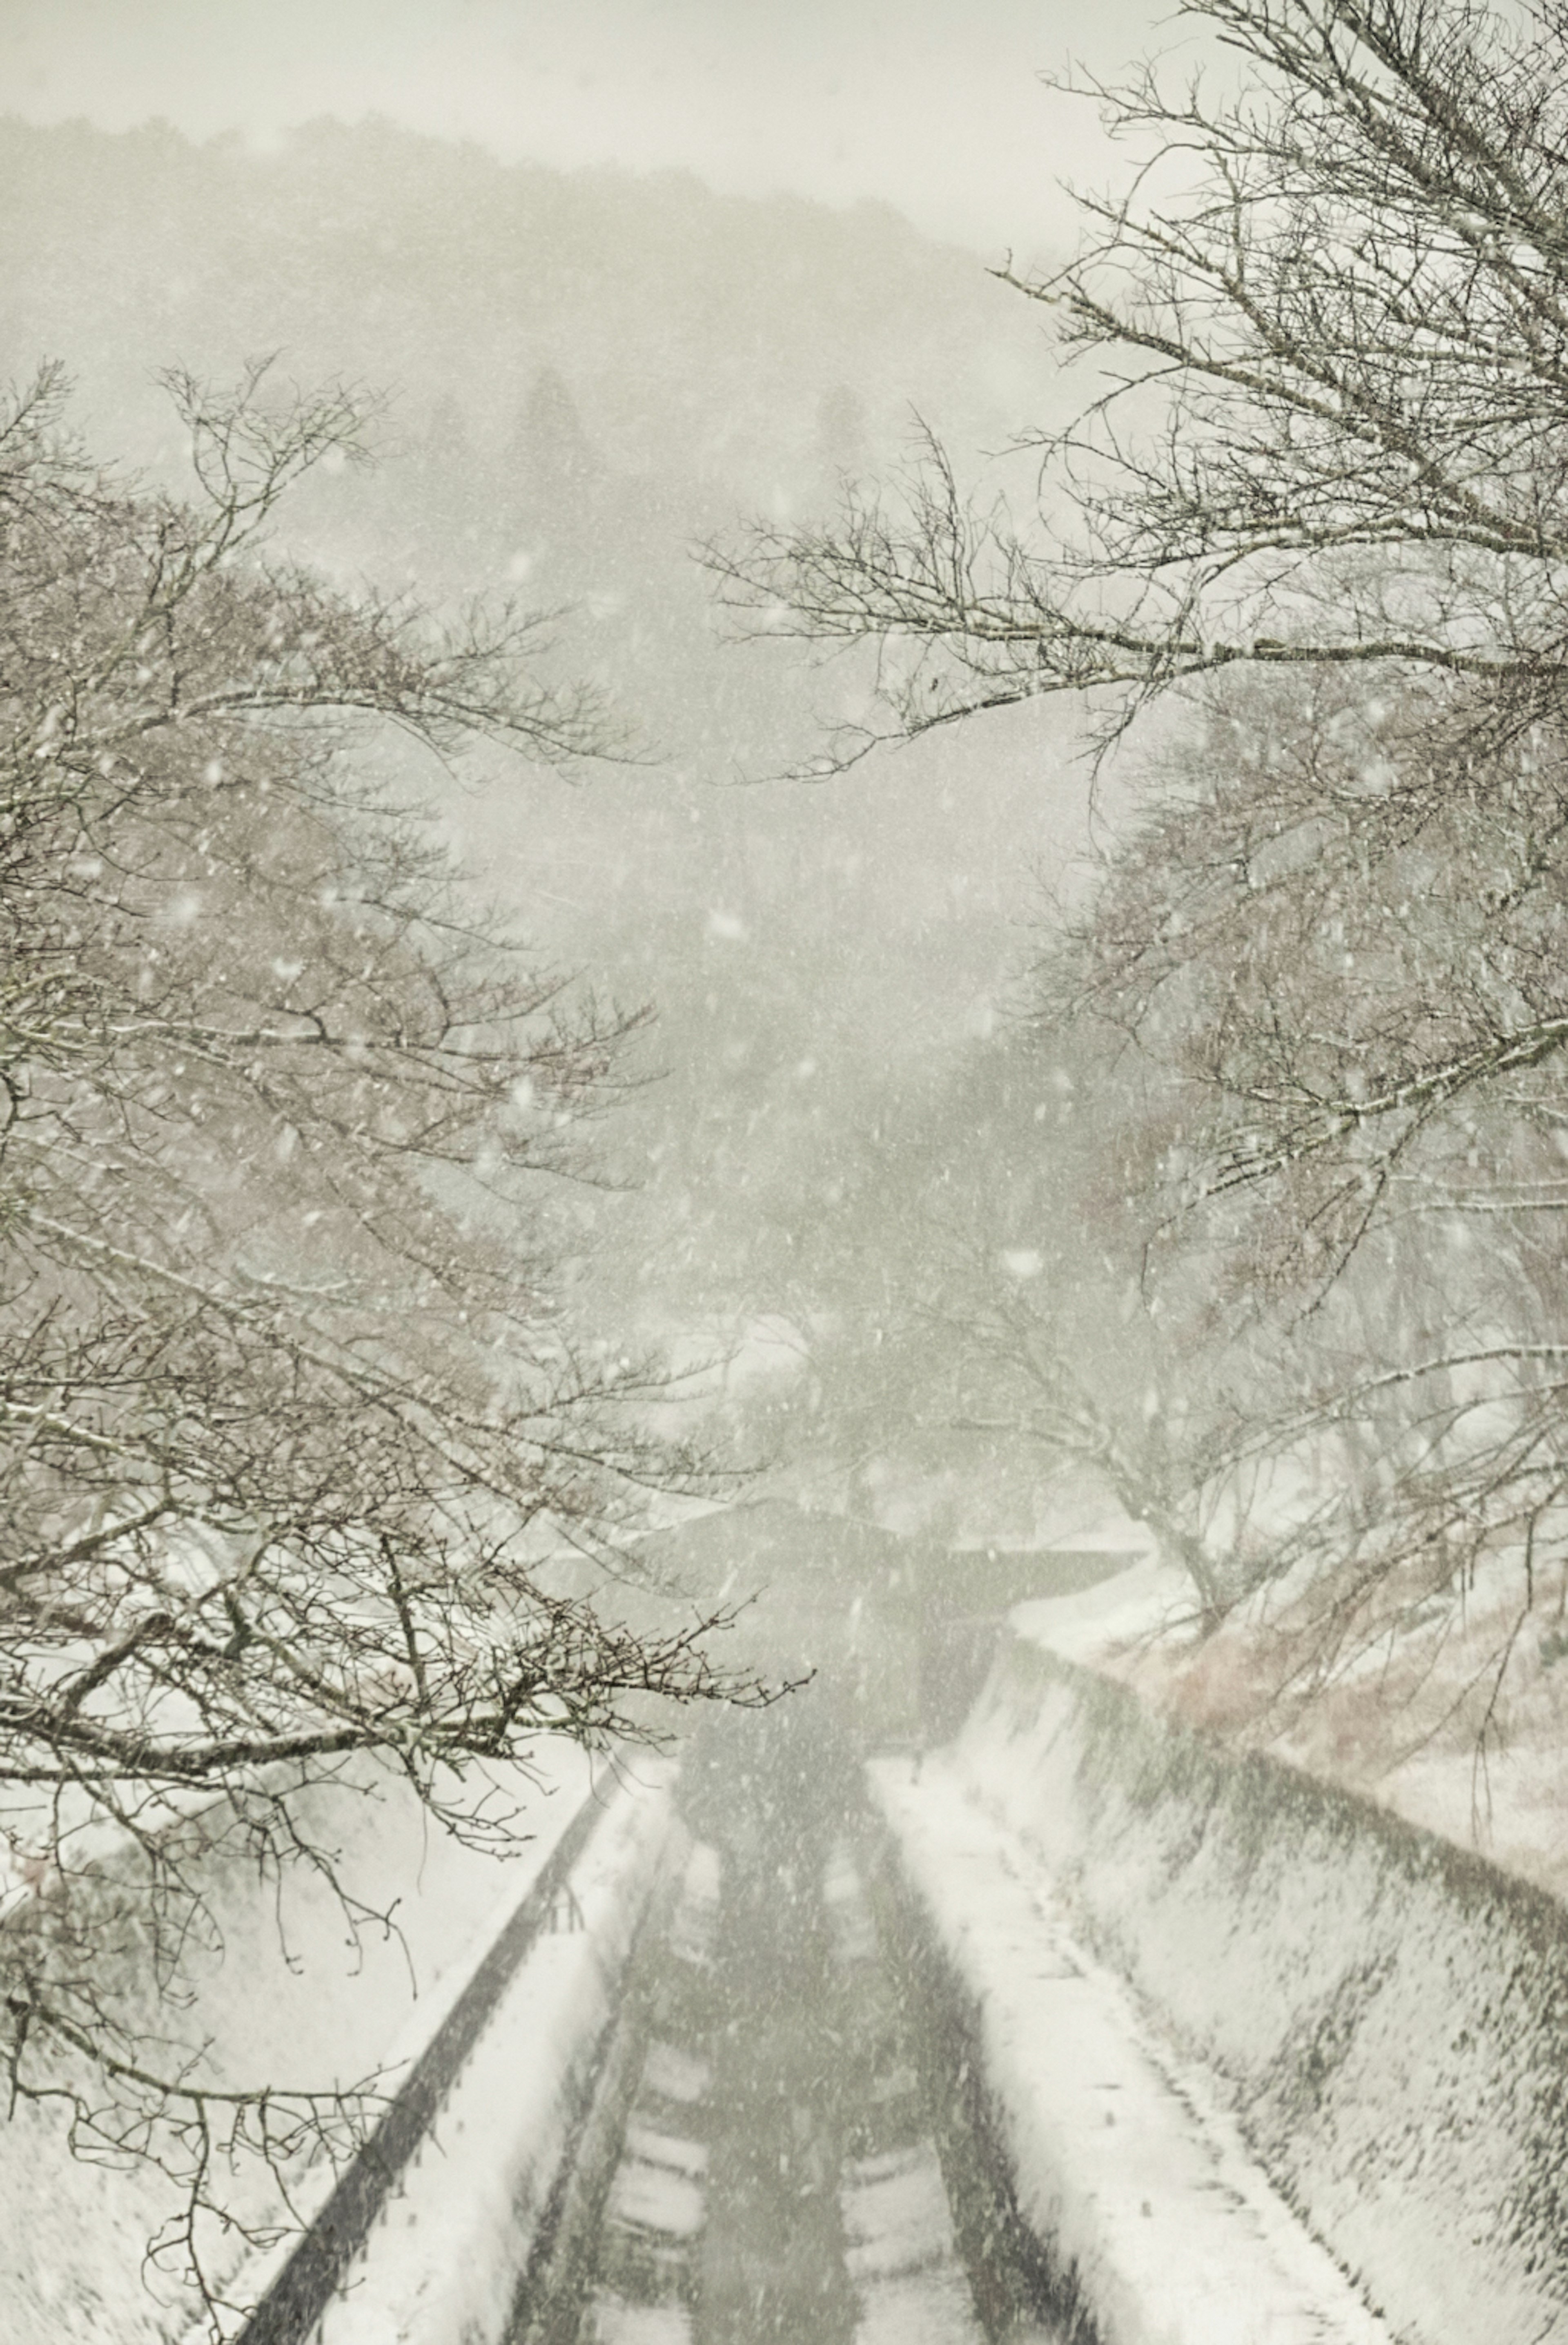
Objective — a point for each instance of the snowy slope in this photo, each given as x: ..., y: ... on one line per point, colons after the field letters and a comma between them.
x: 287, y: 1994
x: 1160, y: 2224
x: 1385, y: 2016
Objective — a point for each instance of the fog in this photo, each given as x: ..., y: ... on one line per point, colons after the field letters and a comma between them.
x: 924, y: 108
x: 585, y: 373
x: 990, y: 1489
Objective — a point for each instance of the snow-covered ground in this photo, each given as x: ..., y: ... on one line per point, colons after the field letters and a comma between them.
x: 1458, y: 1723
x: 1382, y: 2017
x: 290, y: 1995
x: 444, y: 2268
x: 1126, y: 2165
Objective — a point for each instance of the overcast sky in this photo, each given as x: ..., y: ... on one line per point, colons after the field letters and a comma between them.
x: 935, y: 105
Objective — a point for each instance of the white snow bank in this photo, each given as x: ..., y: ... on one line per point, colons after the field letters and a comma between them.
x: 444, y: 2267
x: 1124, y: 2167
x: 1456, y: 1718
x: 289, y: 1993
x: 1150, y: 1601
x: 1386, y: 2015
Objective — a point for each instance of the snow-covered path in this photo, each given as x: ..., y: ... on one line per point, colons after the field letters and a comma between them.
x: 1161, y: 2224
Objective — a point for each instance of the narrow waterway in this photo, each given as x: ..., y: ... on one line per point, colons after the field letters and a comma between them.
x: 784, y: 2149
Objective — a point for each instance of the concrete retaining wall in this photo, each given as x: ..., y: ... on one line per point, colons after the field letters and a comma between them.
x: 465, y: 2214
x: 1388, y: 2013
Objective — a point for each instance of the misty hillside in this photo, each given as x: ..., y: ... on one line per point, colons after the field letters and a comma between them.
x: 585, y: 1153
x: 584, y: 375
x: 695, y: 332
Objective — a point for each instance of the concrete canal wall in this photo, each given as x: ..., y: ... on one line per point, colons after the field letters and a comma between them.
x: 1381, y: 2016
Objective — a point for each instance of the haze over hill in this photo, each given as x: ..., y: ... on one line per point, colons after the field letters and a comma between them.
x: 587, y: 373
x: 697, y: 331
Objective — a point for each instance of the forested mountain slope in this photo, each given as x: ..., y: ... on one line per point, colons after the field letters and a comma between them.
x: 586, y: 374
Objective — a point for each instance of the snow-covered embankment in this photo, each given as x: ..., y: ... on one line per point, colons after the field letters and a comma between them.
x: 445, y: 2262
x: 1206, y: 1991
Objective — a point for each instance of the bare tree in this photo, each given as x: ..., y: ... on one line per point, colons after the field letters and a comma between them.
x: 291, y: 1425
x: 1334, y: 930
x: 1327, y: 452
x: 1332, y: 317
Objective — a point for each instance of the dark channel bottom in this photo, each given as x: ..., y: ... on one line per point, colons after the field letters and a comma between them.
x: 786, y: 2144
